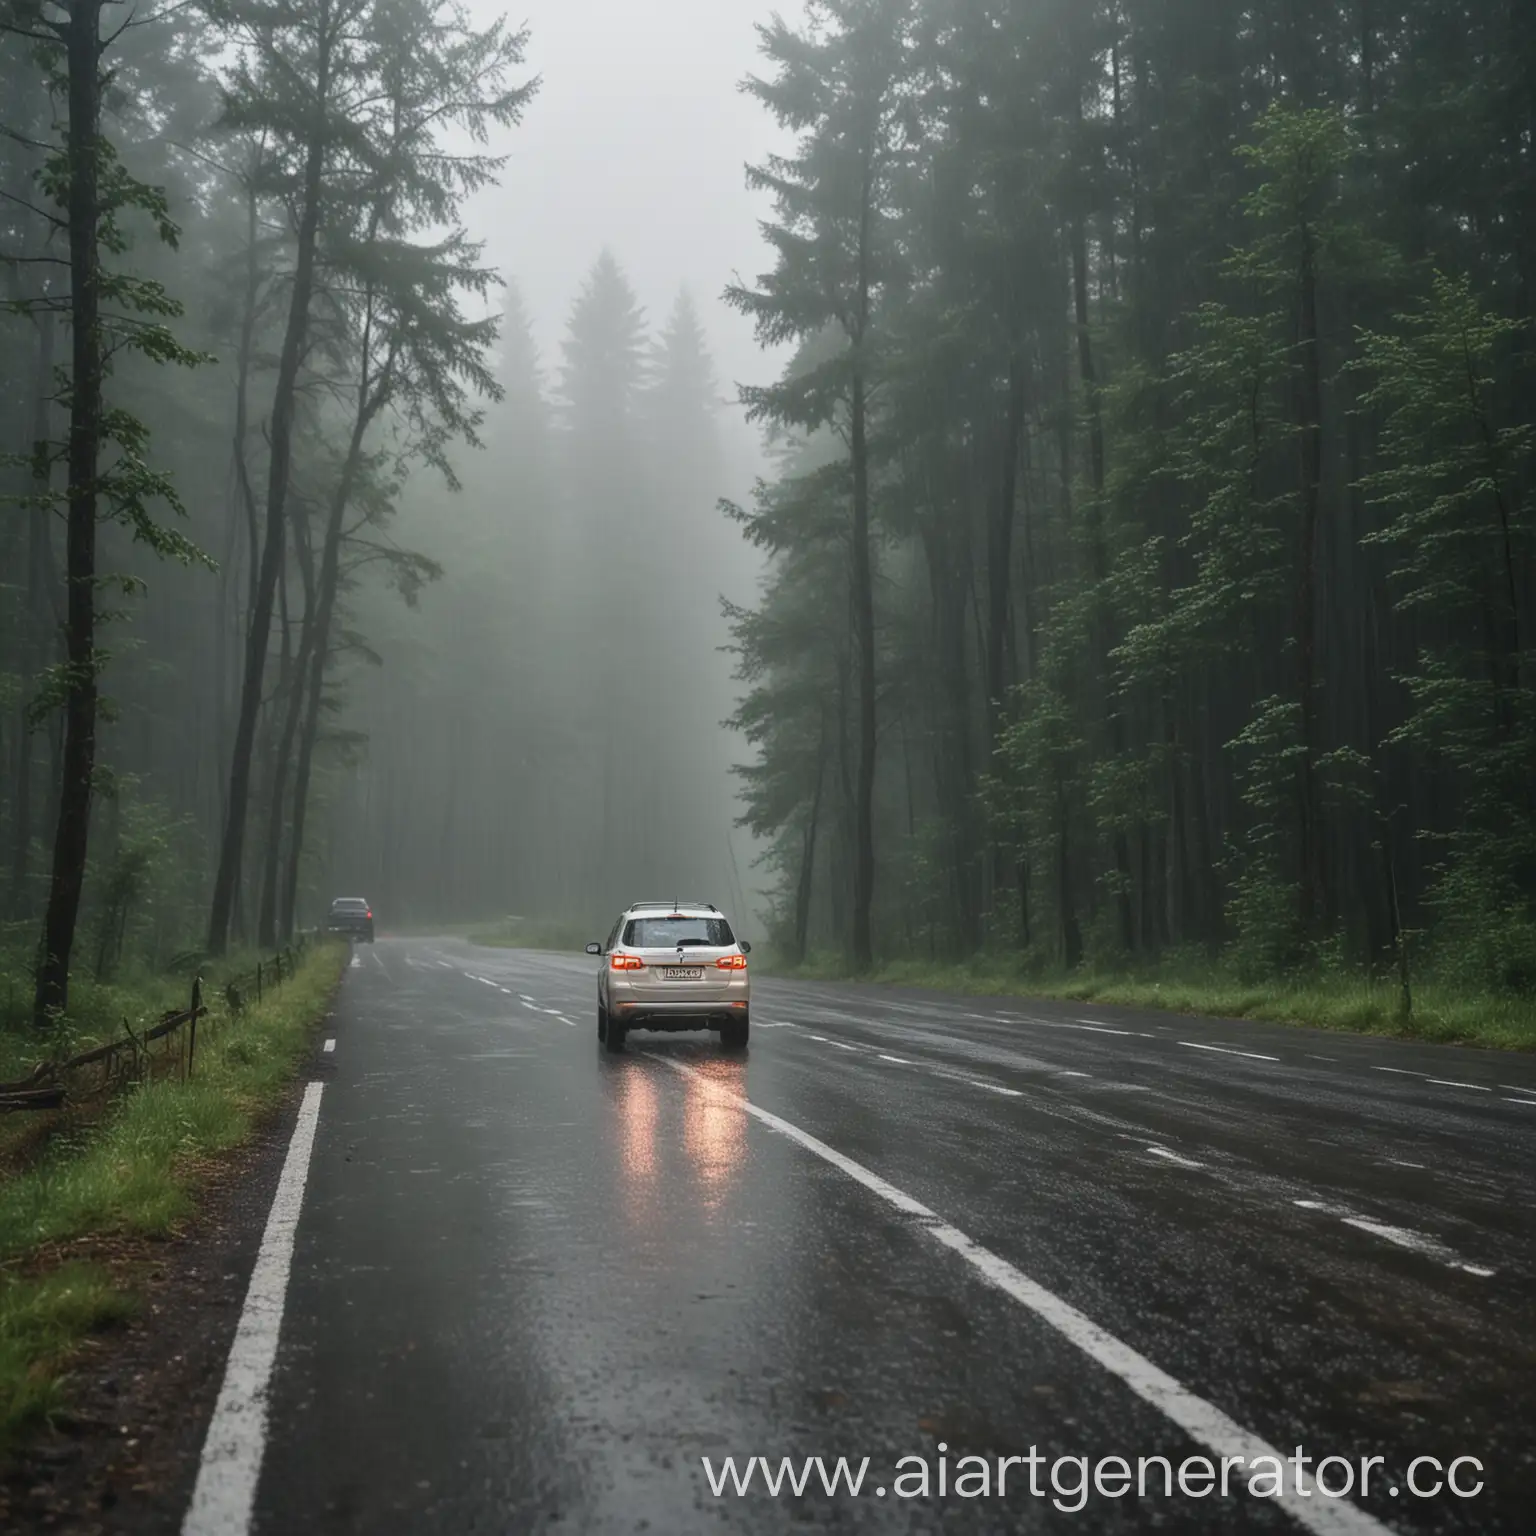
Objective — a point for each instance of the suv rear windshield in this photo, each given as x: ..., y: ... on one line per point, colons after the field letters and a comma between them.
x: 669, y: 932
x: 349, y: 904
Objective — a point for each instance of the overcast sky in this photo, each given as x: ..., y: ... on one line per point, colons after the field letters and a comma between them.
x: 637, y: 140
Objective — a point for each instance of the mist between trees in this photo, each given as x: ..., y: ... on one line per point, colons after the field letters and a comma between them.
x: 262, y: 397
x: 1148, y: 521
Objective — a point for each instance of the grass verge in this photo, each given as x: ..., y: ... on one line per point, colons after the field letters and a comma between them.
x: 534, y: 933
x: 1353, y: 1003
x: 133, y: 1173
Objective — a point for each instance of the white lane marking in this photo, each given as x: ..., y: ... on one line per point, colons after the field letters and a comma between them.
x: 225, y: 1492
x: 357, y: 962
x: 329, y: 1046
x: 1445, y: 1082
x: 1311, y: 1057
x: 1531, y: 1102
x: 1065, y: 1073
x: 378, y: 962
x: 507, y: 990
x: 523, y: 996
x: 1007, y: 1093
x: 1200, y: 1420
x: 1104, y: 1029
x: 1401, y: 1164
x: 1400, y: 1071
x: 447, y: 965
x: 841, y: 1046
x: 1514, y: 1089
x: 1227, y: 1050
x: 1173, y: 1157
x: 901, y: 1061
x: 822, y: 1038
x: 533, y: 1008
x: 1402, y: 1237
x: 564, y: 1020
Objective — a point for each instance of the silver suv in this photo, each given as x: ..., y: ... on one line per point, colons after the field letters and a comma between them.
x: 672, y: 965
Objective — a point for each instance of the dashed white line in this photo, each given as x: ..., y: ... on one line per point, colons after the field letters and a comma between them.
x: 1531, y: 1102
x: 1201, y: 1420
x: 1514, y: 1089
x: 1073, y: 1074
x: 841, y: 1046
x: 1104, y: 1029
x: 328, y: 1047
x: 1227, y: 1050
x: 1173, y: 1157
x: 1445, y: 1082
x: 901, y: 1061
x: 1400, y: 1071
x: 1401, y: 1237
x: 225, y: 1492
x: 1311, y: 1057
x: 447, y: 965
x: 524, y: 997
x: 822, y: 1038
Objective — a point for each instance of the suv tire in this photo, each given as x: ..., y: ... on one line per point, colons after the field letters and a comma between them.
x: 614, y: 1036
x: 734, y: 1034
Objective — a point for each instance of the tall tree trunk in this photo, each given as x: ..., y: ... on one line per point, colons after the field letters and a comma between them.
x: 805, y: 885
x: 1312, y: 889
x: 36, y: 620
x: 284, y: 401
x: 71, y: 838
x: 864, y: 616
x: 292, y: 693
x: 1104, y: 638
x: 1000, y: 540
x: 326, y: 588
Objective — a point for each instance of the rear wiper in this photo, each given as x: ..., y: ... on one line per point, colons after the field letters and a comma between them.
x: 684, y: 943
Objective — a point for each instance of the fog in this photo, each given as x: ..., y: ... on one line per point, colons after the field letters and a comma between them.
x: 544, y: 737
x: 1041, y: 646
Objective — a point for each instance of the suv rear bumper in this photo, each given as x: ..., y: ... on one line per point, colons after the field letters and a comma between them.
x: 676, y: 1016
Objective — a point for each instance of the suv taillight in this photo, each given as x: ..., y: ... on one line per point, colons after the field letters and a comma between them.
x: 626, y: 963
x: 731, y: 963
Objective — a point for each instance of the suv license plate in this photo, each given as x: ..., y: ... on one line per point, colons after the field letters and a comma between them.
x: 683, y: 972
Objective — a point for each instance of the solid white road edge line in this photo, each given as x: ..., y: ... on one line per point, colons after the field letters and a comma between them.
x: 225, y: 1493
x: 1203, y: 1422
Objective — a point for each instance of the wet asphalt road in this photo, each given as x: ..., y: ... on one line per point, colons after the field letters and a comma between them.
x: 534, y: 1285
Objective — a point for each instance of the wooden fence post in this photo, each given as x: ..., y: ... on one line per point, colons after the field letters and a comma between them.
x: 197, y: 1007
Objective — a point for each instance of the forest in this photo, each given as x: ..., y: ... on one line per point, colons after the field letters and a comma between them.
x: 1151, y: 516
x: 315, y: 573
x: 1141, y: 564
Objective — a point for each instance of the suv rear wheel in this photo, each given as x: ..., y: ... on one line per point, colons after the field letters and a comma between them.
x: 733, y: 1034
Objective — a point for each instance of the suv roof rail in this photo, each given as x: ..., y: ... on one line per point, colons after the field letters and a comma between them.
x: 672, y: 906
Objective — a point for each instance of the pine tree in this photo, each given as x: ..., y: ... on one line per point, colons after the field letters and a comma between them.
x: 845, y: 84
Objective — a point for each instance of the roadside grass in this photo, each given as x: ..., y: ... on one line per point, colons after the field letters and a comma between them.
x: 1339, y: 1000
x: 133, y: 1173
x: 559, y: 934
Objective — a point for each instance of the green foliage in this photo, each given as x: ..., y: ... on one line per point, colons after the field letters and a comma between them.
x: 136, y: 1175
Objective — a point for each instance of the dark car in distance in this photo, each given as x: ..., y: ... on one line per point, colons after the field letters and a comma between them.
x: 352, y: 916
